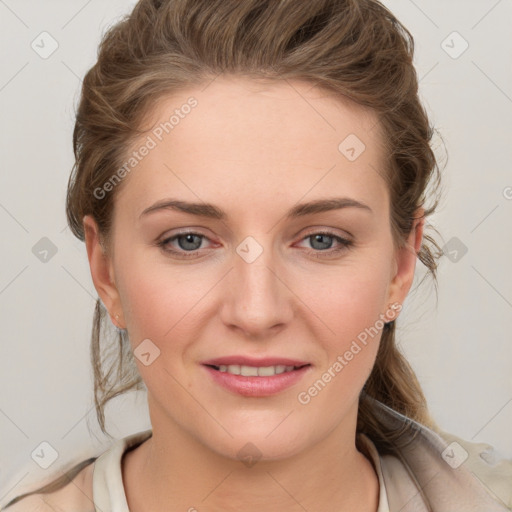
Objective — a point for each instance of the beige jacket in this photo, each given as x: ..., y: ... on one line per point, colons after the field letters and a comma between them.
x: 427, y: 473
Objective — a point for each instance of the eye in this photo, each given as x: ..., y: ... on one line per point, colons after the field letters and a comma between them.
x: 322, y: 242
x: 188, y: 243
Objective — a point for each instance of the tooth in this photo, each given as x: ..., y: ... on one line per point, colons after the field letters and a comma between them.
x: 254, y: 371
x: 266, y: 371
x: 249, y: 371
x: 234, y: 369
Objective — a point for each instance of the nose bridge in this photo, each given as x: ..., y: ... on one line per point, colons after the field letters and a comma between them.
x: 258, y: 300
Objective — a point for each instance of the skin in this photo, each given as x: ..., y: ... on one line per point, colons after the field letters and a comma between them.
x: 254, y: 149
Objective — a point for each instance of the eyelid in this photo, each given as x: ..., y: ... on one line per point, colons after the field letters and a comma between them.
x: 182, y: 231
x: 167, y: 238
x: 329, y: 231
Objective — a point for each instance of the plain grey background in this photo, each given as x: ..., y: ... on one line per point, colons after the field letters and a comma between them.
x: 461, y: 349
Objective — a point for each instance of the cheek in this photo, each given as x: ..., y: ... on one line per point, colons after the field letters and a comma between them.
x: 163, y: 301
x: 156, y: 302
x: 349, y: 307
x: 350, y: 299
x: 352, y: 310
x: 160, y: 307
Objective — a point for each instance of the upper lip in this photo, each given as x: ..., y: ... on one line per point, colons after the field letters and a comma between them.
x: 252, y: 361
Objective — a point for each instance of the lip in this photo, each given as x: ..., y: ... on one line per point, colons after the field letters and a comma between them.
x: 250, y: 361
x: 257, y: 386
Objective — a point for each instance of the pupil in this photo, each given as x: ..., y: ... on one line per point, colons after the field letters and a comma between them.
x: 189, y: 240
x: 320, y: 238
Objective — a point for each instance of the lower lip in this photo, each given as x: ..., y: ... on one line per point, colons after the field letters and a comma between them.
x: 257, y: 386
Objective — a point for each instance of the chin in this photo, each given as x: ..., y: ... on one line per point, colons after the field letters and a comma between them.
x: 261, y: 440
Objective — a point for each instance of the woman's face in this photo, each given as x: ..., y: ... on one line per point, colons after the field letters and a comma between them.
x: 261, y: 275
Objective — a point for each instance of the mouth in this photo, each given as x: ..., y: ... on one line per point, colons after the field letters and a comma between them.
x: 256, y: 371
x: 256, y: 381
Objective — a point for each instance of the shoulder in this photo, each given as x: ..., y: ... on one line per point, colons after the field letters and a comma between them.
x: 73, y: 491
x: 62, y: 495
x: 491, y: 467
x: 427, y: 468
x: 448, y: 470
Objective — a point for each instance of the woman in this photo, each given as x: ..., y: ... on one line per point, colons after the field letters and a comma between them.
x: 250, y: 184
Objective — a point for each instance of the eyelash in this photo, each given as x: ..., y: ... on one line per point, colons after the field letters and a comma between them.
x: 345, y: 244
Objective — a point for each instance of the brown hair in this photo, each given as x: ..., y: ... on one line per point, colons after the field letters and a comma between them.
x: 356, y: 49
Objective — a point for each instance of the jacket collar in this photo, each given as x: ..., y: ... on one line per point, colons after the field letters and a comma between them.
x: 426, y: 473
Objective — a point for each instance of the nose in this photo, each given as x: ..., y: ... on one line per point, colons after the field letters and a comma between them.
x: 258, y: 301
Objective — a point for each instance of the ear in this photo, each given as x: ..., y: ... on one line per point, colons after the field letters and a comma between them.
x: 405, y: 261
x: 102, y: 272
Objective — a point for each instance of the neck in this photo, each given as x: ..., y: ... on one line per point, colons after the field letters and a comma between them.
x: 172, y: 471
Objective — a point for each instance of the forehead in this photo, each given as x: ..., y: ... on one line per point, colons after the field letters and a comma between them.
x: 283, y: 139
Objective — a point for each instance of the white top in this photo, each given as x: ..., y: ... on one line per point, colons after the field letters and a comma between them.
x: 108, y: 488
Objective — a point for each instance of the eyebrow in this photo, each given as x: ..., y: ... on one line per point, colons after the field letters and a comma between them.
x: 214, y: 212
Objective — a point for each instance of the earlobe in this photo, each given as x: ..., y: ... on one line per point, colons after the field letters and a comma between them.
x: 100, y: 264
